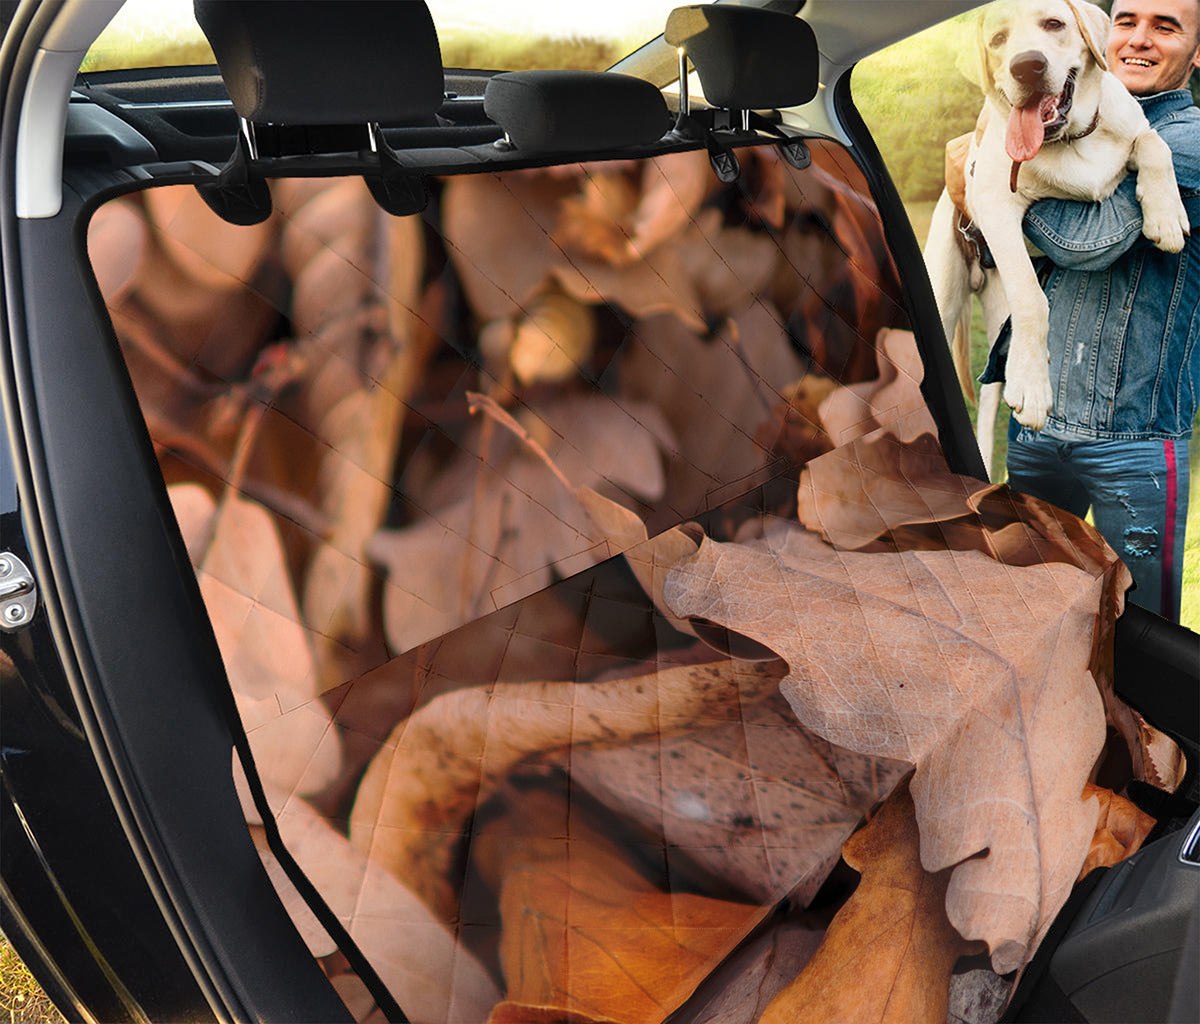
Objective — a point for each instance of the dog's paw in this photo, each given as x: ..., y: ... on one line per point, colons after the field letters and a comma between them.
x: 1030, y: 398
x: 1165, y: 223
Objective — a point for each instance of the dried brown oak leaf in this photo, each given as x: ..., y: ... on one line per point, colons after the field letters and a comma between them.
x: 447, y: 757
x: 731, y: 268
x: 892, y: 936
x: 211, y: 291
x: 647, y: 273
x: 1121, y: 828
x: 888, y: 954
x: 975, y: 672
x: 1158, y: 759
x: 550, y: 343
x: 192, y: 300
x: 417, y: 957
x: 739, y: 991
x: 659, y: 283
x: 673, y: 187
x: 856, y: 492
x: 502, y: 233
x: 759, y: 802
x: 881, y: 492
x: 647, y: 245
x: 355, y: 309
x: 497, y: 229
x: 624, y: 209
x: 117, y: 239
x: 715, y: 392
x: 268, y: 653
x: 583, y: 931
x: 892, y: 400
x: 597, y: 221
x: 847, y: 287
x: 793, y: 429
x: 881, y: 485
x: 208, y: 249
x: 622, y: 530
x: 797, y: 429
x: 679, y: 257
x: 468, y: 557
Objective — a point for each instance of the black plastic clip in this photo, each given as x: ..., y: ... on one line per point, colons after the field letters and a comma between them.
x: 394, y: 187
x: 724, y: 163
x: 237, y: 196
x: 796, y: 153
x: 792, y: 147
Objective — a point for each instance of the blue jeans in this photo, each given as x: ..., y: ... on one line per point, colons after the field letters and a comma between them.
x: 1138, y: 494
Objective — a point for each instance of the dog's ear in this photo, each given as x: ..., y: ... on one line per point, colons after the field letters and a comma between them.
x: 973, y: 61
x: 1094, y: 25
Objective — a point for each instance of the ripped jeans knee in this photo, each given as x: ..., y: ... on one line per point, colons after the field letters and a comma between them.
x: 1138, y: 495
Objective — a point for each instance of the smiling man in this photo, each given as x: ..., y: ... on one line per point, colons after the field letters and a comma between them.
x: 1125, y: 328
x: 1154, y: 47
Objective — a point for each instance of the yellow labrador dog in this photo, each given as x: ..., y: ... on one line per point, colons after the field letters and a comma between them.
x: 1055, y: 123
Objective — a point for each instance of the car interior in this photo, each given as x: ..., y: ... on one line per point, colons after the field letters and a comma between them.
x: 374, y: 405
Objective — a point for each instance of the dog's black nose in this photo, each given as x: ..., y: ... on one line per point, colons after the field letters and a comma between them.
x: 1028, y: 67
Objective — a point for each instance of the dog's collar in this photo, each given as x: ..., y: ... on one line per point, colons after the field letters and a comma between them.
x: 1012, y: 177
x: 1086, y: 132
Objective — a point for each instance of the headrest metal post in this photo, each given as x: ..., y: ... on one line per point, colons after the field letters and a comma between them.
x: 745, y: 120
x: 684, y: 102
x: 373, y: 136
x: 248, y: 133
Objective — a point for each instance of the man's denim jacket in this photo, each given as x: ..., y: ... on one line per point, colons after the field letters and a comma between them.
x: 1124, y: 316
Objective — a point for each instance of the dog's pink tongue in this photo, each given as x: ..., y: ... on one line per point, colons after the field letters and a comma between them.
x: 1025, y: 132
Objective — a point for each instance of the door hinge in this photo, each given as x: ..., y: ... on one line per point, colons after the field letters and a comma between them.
x: 18, y: 593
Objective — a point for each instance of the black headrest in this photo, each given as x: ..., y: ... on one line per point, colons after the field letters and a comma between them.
x: 569, y: 111
x: 326, y: 61
x: 747, y: 58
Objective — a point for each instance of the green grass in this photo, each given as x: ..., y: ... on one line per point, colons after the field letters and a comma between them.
x: 106, y: 54
x: 913, y: 99
x: 497, y: 50
x: 1189, y: 609
x: 518, y: 53
x: 508, y: 52
x: 21, y: 998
